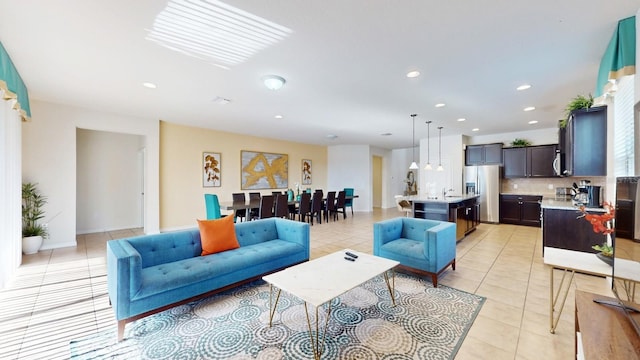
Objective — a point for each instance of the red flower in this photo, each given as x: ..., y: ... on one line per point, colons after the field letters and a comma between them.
x: 600, y: 222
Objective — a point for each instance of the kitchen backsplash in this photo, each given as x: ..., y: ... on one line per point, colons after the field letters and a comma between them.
x: 526, y: 186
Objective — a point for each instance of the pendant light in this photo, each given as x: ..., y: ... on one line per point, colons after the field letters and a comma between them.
x: 428, y: 167
x: 440, y: 168
x: 413, y: 165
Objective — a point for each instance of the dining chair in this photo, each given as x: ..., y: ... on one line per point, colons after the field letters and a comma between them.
x: 266, y: 207
x: 213, y: 206
x: 282, y: 206
x: 304, y: 208
x: 403, y: 205
x: 254, y: 198
x: 316, y: 207
x: 349, y: 202
x: 340, y: 206
x: 330, y: 205
x: 240, y: 213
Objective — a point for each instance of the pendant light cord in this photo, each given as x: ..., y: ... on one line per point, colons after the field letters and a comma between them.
x: 413, y: 138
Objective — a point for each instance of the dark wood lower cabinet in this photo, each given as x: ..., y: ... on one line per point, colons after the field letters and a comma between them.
x: 562, y: 229
x: 520, y: 209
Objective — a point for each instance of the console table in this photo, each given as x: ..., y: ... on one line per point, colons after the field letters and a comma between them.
x: 603, y: 331
x: 628, y: 272
x: 571, y: 262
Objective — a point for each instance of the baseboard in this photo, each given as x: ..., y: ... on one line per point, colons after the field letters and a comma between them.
x: 45, y: 246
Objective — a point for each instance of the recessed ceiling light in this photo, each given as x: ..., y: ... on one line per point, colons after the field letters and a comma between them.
x: 385, y: 134
x: 278, y: 116
x: 332, y: 137
x: 149, y: 85
x: 523, y: 87
x: 438, y: 105
x: 533, y: 122
x: 475, y: 129
x: 413, y: 73
x: 462, y: 119
x: 529, y: 108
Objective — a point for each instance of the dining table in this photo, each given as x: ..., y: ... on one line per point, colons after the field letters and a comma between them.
x: 255, y: 204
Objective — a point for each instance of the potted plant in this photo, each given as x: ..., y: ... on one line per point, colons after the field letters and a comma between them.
x: 32, y: 212
x: 601, y: 224
x: 577, y: 103
x: 520, y: 143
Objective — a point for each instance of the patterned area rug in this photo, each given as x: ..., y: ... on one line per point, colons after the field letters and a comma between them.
x: 426, y: 323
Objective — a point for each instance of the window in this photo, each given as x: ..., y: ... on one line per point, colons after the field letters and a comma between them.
x: 624, y: 127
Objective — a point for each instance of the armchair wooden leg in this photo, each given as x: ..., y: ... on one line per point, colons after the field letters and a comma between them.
x: 121, y: 324
x: 434, y: 280
x: 453, y: 264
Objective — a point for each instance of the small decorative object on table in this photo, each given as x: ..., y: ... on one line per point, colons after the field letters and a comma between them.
x: 602, y: 224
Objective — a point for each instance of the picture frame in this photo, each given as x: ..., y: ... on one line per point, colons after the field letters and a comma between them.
x: 263, y: 170
x: 211, y: 169
x: 306, y: 172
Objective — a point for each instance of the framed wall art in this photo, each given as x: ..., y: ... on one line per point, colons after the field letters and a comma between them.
x: 262, y: 170
x: 306, y: 172
x: 211, y: 174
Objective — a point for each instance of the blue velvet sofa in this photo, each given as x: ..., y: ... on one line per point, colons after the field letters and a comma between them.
x: 420, y: 245
x: 151, y: 273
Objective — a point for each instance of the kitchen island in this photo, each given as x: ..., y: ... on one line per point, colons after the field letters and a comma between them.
x: 464, y: 211
x: 562, y: 228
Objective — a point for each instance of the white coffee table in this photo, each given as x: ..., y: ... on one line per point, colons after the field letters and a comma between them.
x: 319, y: 281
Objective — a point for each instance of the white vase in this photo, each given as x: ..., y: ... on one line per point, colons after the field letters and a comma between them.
x: 31, y: 244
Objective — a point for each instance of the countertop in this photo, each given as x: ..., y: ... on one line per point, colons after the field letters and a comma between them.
x: 446, y: 200
x: 551, y: 203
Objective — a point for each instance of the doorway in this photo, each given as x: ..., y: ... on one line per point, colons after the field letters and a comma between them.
x: 109, y: 177
x: 376, y: 175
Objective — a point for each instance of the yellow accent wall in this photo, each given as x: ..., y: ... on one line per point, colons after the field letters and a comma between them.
x: 181, y: 148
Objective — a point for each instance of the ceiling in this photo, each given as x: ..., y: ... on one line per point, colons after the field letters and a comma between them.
x: 345, y: 65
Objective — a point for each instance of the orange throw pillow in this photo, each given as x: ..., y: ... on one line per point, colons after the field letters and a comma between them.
x: 218, y: 235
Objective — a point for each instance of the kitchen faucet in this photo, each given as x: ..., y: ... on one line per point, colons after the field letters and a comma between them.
x: 445, y: 191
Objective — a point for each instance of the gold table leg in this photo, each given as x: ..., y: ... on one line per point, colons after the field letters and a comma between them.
x: 315, y: 343
x: 272, y: 311
x: 553, y: 298
x: 391, y: 287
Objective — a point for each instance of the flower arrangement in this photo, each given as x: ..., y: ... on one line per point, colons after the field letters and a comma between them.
x: 601, y: 224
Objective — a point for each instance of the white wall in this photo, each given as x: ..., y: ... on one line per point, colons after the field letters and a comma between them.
x: 350, y: 166
x: 10, y: 191
x: 400, y: 161
x: 108, y: 181
x: 535, y: 136
x: 49, y: 158
x: 431, y: 182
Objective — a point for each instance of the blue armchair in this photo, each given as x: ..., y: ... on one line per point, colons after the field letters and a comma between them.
x: 422, y: 246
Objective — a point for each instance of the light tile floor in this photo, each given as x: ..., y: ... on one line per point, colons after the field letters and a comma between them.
x: 59, y: 295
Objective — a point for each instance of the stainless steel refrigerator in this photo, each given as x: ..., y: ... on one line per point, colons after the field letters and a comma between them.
x: 485, y: 181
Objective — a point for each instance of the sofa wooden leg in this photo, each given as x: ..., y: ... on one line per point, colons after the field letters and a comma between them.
x: 453, y: 264
x: 434, y: 280
x: 121, y: 324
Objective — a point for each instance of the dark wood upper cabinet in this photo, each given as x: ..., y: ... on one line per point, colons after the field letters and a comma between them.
x: 540, y: 160
x: 488, y: 154
x: 515, y: 162
x: 585, y: 148
x: 530, y: 161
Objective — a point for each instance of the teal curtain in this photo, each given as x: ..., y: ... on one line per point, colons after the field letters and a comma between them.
x: 620, y: 57
x: 12, y: 84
